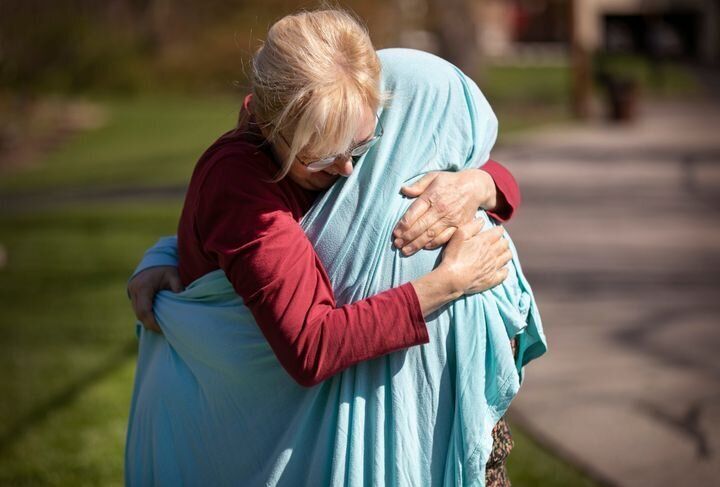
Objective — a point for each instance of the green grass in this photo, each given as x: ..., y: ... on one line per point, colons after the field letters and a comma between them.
x: 147, y: 140
x: 526, y: 85
x: 525, y: 97
x: 64, y: 313
x: 80, y: 444
x: 156, y: 140
x: 548, y: 86
x: 659, y: 80
x: 529, y: 465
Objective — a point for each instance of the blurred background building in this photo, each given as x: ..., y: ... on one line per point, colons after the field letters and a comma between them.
x: 675, y: 29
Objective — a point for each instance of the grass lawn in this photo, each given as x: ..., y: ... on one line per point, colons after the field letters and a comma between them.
x: 79, y: 444
x: 529, y: 465
x: 661, y: 79
x: 156, y: 139
x: 147, y: 140
x: 528, y: 96
x: 64, y: 316
x: 524, y: 97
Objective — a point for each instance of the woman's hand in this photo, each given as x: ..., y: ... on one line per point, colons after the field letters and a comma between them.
x: 472, y: 262
x: 445, y: 200
x: 476, y: 260
x: 145, y: 285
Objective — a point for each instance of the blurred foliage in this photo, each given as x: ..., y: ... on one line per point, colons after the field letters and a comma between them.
x: 530, y: 465
x: 67, y: 46
x: 73, y: 46
x: 526, y: 85
x: 654, y: 77
x: 526, y: 96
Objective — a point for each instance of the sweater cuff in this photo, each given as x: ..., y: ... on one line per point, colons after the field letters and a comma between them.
x: 508, y: 192
x: 415, y: 311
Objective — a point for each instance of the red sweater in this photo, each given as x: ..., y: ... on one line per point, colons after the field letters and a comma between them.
x: 233, y: 219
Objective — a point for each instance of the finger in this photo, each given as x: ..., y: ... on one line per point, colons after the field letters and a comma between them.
x: 426, y: 237
x: 430, y: 224
x: 498, y: 248
x: 504, y: 258
x: 473, y: 228
x: 443, y: 238
x: 496, y: 233
x: 142, y: 305
x: 153, y: 326
x: 175, y: 284
x: 419, y: 186
x: 416, y: 210
x: 150, y: 323
x: 501, y: 275
x: 499, y: 233
x: 493, y: 240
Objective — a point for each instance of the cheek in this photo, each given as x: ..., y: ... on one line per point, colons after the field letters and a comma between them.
x: 298, y: 174
x: 323, y: 179
x: 299, y: 171
x: 310, y: 180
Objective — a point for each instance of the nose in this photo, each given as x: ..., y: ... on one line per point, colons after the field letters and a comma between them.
x: 344, y: 166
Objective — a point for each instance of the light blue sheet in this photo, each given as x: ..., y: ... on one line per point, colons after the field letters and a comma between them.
x: 212, y: 405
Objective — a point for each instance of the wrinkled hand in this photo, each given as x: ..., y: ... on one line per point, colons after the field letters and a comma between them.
x: 143, y: 288
x: 445, y: 200
x: 477, y: 260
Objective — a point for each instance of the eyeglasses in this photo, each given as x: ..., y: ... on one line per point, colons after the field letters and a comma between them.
x: 355, y: 152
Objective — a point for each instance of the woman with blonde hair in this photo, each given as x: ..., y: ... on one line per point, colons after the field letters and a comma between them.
x: 327, y: 286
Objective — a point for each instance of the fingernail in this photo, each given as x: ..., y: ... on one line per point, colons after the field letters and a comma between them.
x: 407, y: 250
x: 399, y: 242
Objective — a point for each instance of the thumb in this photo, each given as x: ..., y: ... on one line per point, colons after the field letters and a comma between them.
x: 419, y: 186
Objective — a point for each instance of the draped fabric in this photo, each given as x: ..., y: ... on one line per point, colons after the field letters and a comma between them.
x: 211, y: 404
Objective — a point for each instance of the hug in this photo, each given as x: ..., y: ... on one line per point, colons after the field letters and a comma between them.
x: 346, y: 309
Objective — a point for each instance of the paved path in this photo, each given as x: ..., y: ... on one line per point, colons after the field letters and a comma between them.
x: 620, y: 236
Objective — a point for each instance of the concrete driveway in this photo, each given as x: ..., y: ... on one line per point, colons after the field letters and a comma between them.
x: 620, y: 237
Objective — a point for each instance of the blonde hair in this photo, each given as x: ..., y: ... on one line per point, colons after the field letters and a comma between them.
x: 313, y: 77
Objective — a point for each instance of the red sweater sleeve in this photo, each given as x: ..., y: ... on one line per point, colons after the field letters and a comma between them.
x: 508, y: 191
x: 272, y: 265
